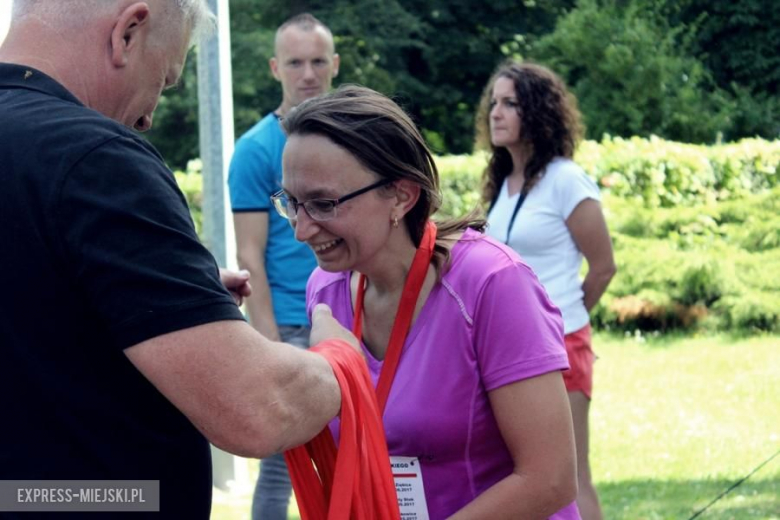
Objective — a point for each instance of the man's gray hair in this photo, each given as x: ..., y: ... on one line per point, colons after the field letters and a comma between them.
x: 203, y: 20
x: 194, y: 12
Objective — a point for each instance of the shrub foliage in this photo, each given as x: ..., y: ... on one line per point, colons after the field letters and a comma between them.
x: 695, y: 229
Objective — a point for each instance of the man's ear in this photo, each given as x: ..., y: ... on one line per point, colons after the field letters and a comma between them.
x: 131, y: 26
x: 407, y: 193
x: 274, y: 64
x: 336, y: 62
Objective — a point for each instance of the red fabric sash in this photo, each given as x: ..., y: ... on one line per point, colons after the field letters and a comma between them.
x: 403, y: 318
x: 355, y: 482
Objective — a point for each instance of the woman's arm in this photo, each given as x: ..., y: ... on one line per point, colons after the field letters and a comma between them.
x: 534, y: 418
x: 589, y: 231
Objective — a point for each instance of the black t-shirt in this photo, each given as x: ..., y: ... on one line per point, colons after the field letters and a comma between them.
x: 98, y: 253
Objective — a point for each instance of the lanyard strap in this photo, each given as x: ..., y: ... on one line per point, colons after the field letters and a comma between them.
x: 520, y: 201
x: 403, y: 318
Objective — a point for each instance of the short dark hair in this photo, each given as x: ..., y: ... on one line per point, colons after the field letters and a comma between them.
x: 303, y: 21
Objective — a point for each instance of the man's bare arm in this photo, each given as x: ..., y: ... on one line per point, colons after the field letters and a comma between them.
x: 251, y: 239
x: 246, y: 394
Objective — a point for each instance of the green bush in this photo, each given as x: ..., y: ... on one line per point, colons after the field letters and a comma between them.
x: 191, y: 184
x: 751, y: 311
x: 461, y: 185
x: 701, y: 283
x: 652, y: 172
x: 689, y: 266
x: 694, y: 228
x: 660, y: 173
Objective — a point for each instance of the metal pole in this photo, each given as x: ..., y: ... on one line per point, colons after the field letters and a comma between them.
x: 5, y: 19
x: 217, y: 135
x: 215, y: 100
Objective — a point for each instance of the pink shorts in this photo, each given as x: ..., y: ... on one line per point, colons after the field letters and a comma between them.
x: 579, y: 377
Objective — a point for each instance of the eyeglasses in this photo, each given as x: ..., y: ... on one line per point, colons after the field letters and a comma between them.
x: 318, y: 209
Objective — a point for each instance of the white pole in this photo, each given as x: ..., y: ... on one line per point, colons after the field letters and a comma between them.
x: 215, y: 101
x: 5, y: 18
x: 217, y: 135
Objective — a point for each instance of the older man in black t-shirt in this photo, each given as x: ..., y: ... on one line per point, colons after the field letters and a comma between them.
x: 121, y: 352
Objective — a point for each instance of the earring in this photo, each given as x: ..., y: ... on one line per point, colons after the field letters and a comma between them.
x: 395, y: 222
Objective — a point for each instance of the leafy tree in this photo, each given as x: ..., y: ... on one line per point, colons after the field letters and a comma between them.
x: 175, y: 130
x: 738, y: 42
x: 434, y: 57
x: 631, y: 73
x: 683, y: 69
x: 255, y: 92
x: 444, y: 53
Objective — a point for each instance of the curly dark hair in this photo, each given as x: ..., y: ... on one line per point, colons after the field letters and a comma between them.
x: 550, y: 123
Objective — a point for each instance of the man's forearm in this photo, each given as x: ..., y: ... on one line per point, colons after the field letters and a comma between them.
x: 306, y: 399
x: 247, y: 395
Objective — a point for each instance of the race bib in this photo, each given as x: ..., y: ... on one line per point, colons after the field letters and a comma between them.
x: 409, y: 488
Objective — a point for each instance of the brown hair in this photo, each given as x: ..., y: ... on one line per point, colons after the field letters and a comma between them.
x: 550, y: 123
x: 378, y: 133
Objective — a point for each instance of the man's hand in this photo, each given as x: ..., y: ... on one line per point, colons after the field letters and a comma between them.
x: 325, y: 327
x: 237, y: 282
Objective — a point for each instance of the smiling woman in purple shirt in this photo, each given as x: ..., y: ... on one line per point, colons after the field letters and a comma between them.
x: 475, y: 410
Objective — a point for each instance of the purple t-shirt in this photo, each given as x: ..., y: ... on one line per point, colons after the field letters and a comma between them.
x: 487, y: 323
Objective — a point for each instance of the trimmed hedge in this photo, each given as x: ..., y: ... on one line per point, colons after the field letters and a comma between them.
x: 653, y: 172
x: 696, y: 229
x: 667, y: 174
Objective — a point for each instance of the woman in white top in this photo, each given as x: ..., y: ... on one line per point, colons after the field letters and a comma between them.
x: 546, y: 208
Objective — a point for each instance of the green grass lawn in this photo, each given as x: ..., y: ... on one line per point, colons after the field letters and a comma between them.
x: 675, y: 422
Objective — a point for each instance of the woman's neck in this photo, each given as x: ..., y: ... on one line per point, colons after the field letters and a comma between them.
x: 387, y: 274
x: 520, y: 153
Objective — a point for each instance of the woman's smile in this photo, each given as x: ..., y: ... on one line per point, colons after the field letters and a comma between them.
x: 325, y: 247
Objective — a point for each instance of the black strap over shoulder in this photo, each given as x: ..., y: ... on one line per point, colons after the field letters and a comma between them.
x: 520, y: 201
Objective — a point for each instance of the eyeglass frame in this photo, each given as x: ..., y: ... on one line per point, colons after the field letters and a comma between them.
x: 276, y: 199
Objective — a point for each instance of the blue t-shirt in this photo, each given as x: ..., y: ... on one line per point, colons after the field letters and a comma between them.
x: 256, y: 174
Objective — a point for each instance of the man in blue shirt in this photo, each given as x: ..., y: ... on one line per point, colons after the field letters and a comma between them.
x: 305, y: 63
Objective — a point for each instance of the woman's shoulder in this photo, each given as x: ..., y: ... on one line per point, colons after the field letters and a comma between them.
x: 322, y: 282
x: 478, y: 256
x: 566, y: 178
x: 564, y: 168
x: 478, y: 262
